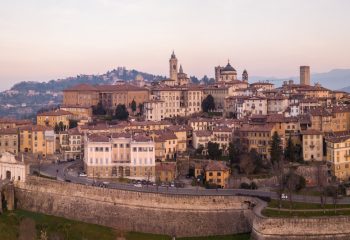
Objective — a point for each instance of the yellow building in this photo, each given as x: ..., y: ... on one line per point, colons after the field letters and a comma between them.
x: 36, y: 139
x: 78, y: 112
x: 338, y: 154
x: 257, y: 136
x: 217, y: 173
x: 165, y: 171
x: 53, y: 118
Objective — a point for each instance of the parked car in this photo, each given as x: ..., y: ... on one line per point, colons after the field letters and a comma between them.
x: 82, y: 174
x: 138, y: 185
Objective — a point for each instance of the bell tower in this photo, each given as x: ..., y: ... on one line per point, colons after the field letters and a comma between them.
x: 245, y: 76
x: 173, y: 67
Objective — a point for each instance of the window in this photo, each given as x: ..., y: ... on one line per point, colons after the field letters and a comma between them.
x: 134, y: 149
x: 218, y: 174
x: 107, y: 149
x: 210, y: 174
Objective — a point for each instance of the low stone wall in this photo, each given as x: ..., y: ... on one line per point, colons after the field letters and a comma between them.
x: 175, y: 215
x: 320, y: 228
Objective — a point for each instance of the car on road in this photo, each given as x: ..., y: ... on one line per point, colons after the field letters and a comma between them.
x: 284, y: 196
x: 82, y: 174
x: 138, y: 185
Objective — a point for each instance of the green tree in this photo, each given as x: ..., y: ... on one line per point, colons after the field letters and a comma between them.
x: 214, y: 151
x: 61, y: 126
x: 121, y: 113
x: 276, y: 149
x: 133, y: 106
x: 73, y: 123
x: 141, y: 108
x: 234, y: 151
x: 57, y: 128
x: 208, y: 103
x: 99, y: 109
x: 289, y: 153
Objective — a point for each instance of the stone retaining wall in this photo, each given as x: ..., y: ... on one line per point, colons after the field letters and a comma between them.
x: 175, y: 215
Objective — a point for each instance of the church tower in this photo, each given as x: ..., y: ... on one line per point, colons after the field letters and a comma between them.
x: 245, y: 76
x: 173, y: 67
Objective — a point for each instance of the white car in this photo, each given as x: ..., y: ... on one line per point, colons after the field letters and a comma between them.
x: 284, y: 196
x: 138, y: 185
x: 82, y: 174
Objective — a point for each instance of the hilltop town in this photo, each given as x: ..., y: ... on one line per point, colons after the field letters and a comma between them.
x: 171, y: 136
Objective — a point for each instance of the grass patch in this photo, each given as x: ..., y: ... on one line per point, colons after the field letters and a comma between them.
x: 302, y: 205
x: 326, y: 213
x: 245, y: 236
x: 62, y: 228
x: 146, y: 236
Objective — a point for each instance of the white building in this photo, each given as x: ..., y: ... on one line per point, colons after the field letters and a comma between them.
x: 119, y: 155
x: 154, y: 110
x: 12, y: 169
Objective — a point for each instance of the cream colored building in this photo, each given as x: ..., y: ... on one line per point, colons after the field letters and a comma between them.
x: 9, y: 140
x: 153, y: 110
x: 312, y: 145
x: 338, y: 155
x: 119, y: 155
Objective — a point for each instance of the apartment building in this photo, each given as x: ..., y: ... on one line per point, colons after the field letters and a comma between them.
x: 9, y: 140
x: 120, y: 155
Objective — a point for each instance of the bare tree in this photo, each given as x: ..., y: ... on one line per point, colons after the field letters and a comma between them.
x: 247, y: 164
x: 291, y: 182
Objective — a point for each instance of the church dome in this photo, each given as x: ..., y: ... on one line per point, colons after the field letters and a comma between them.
x: 228, y: 68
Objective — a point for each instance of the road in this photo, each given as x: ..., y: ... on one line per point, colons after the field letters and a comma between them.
x: 62, y: 173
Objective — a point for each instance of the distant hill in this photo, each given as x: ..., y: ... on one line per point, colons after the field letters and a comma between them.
x: 24, y: 99
x: 346, y: 89
x: 334, y: 79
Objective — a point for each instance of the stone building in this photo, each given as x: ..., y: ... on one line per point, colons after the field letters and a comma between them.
x: 9, y: 140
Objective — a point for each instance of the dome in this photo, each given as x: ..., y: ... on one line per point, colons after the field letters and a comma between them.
x: 229, y: 68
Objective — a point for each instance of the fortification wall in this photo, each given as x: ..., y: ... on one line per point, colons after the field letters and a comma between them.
x: 320, y: 228
x: 176, y: 215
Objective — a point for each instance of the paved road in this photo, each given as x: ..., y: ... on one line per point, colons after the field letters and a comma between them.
x: 61, y: 172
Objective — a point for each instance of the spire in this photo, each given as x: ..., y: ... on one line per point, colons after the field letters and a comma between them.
x: 180, y: 70
x: 173, y: 55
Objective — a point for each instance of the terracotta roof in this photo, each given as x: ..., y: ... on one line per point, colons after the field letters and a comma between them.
x: 216, y: 166
x: 203, y: 133
x: 141, y: 138
x: 257, y: 128
x: 121, y: 87
x: 222, y: 129
x: 35, y: 128
x: 166, y: 166
x: 55, y: 113
x: 98, y: 138
x: 9, y: 131
x: 82, y: 87
x: 311, y: 132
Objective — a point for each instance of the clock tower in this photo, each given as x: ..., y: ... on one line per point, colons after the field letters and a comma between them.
x: 173, y: 67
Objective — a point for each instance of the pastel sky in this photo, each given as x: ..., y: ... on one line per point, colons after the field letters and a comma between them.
x: 42, y: 40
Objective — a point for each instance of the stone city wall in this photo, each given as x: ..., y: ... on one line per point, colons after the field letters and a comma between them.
x: 320, y: 228
x: 176, y: 215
